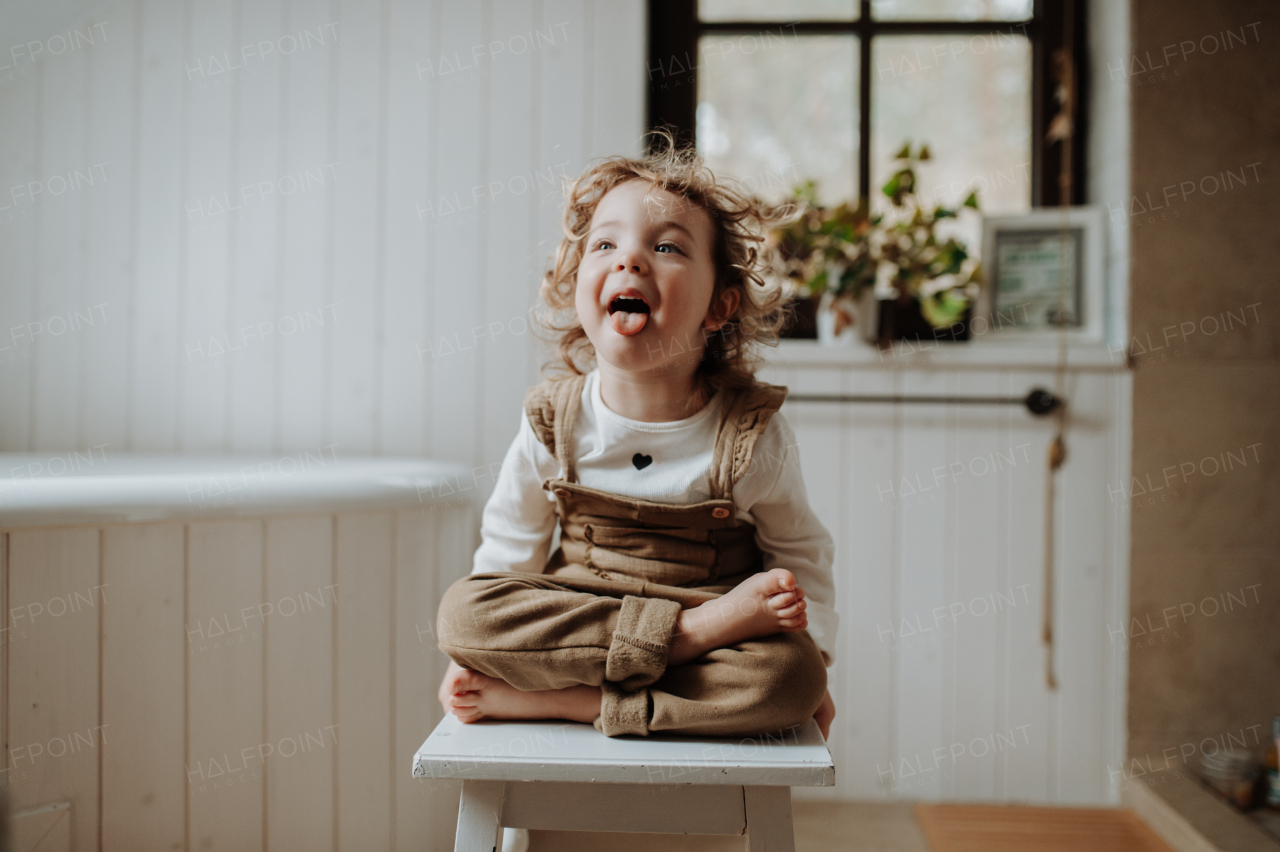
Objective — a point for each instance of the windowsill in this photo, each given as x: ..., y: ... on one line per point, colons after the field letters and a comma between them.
x: 980, y: 354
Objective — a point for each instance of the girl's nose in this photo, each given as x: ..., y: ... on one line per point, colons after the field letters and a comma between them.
x: 630, y: 262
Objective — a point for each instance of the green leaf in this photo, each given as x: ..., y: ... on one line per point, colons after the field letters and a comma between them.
x: 818, y: 283
x: 893, y: 188
x: 924, y: 153
x: 905, y: 152
x: 972, y: 200
x: 944, y: 309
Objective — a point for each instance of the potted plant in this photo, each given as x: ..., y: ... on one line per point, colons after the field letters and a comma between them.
x: 931, y: 282
x: 827, y: 255
x: 890, y: 272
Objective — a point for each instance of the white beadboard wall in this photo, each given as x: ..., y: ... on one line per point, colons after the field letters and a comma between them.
x: 394, y: 176
x: 228, y: 684
x: 353, y: 287
x: 939, y: 522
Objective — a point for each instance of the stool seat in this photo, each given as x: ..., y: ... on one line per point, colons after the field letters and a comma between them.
x: 566, y: 775
x: 570, y: 751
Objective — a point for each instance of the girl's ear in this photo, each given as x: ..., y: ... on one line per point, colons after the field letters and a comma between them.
x: 721, y: 309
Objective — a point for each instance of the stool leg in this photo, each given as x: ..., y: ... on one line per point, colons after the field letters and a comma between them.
x: 769, y: 819
x: 480, y: 816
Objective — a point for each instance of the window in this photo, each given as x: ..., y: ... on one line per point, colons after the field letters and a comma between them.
x: 775, y: 92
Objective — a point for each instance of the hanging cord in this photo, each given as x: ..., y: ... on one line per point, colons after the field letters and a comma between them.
x: 1062, y: 130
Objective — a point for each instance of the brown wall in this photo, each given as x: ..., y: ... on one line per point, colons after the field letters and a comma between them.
x: 1217, y: 391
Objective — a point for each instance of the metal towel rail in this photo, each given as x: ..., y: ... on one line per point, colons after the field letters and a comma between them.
x: 1038, y: 401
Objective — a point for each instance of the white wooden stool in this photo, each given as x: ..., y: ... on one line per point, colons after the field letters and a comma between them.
x: 569, y: 776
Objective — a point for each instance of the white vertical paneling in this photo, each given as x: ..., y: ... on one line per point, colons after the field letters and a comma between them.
x: 143, y: 688
x: 619, y: 81
x: 52, y: 643
x: 108, y: 234
x: 19, y: 140
x: 407, y: 233
x: 817, y: 428
x: 255, y: 229
x: 563, y: 119
x: 971, y: 623
x: 1083, y: 651
x: 422, y: 811
x: 301, y: 792
x: 924, y: 560
x: 510, y: 276
x: 399, y: 106
x: 1024, y: 770
x: 207, y: 198
x: 59, y: 269
x: 321, y: 153
x: 459, y: 175
x: 566, y: 123
x: 224, y: 647
x: 865, y: 571
x: 159, y: 187
x: 305, y: 203
x: 357, y: 214
x: 364, y: 685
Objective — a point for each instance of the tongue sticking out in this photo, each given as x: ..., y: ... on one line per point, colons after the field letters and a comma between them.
x: 628, y: 315
x: 627, y: 323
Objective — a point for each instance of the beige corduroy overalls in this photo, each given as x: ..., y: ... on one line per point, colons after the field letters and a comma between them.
x: 603, y: 611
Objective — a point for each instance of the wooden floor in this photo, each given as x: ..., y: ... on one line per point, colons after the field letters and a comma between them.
x: 873, y: 827
x: 995, y: 828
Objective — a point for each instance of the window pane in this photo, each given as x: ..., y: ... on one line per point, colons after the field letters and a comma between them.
x: 782, y: 113
x: 773, y: 10
x: 972, y: 107
x: 951, y: 10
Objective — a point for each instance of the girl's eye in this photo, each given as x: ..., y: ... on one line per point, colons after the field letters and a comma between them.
x: 600, y: 244
x: 669, y: 247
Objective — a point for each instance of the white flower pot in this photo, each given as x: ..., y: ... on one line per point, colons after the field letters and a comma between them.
x: 826, y: 318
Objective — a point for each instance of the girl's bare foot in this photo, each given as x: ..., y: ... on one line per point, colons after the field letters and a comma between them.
x: 473, y: 696
x: 769, y: 602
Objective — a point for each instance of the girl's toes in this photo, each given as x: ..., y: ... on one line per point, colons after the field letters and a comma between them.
x: 783, y: 600
x: 792, y: 611
x: 782, y: 580
x: 474, y: 682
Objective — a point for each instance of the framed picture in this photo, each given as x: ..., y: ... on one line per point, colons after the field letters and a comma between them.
x: 1044, y: 271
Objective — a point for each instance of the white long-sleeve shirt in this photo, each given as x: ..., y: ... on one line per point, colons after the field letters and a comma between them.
x: 520, y: 518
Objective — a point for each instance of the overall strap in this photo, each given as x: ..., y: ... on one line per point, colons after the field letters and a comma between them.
x: 743, y: 419
x: 552, y: 408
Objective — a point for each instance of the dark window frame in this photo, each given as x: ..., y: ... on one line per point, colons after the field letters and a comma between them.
x: 672, y: 63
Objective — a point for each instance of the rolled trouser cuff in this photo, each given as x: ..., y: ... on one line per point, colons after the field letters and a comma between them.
x: 623, y: 712
x: 641, y: 642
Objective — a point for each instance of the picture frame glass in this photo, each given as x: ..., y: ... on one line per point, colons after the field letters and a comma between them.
x: 1037, y: 279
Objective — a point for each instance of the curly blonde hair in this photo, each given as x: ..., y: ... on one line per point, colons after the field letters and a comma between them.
x: 740, y: 222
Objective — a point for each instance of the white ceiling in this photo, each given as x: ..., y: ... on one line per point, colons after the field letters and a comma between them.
x: 36, y: 20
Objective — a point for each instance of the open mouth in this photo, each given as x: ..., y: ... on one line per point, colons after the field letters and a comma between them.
x: 628, y: 314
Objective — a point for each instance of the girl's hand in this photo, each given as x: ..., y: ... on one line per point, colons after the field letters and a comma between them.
x: 825, y: 713
x: 448, y: 686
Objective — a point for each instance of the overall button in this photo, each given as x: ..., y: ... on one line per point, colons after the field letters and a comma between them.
x: 719, y: 512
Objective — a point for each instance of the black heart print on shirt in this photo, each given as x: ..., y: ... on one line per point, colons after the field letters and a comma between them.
x: 641, y: 461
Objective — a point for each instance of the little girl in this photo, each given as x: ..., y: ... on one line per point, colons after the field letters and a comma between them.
x: 691, y: 592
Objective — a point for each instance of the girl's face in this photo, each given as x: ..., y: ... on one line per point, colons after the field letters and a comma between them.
x: 646, y: 278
